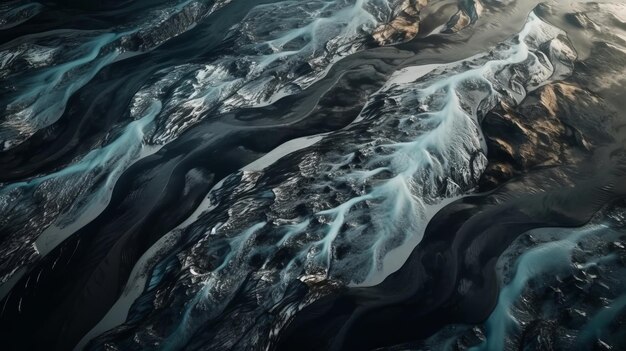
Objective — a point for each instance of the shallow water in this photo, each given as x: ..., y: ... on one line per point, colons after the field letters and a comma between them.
x: 320, y: 174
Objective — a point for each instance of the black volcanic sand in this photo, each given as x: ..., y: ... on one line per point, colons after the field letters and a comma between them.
x: 78, y: 281
x: 462, y: 244
x: 92, y: 265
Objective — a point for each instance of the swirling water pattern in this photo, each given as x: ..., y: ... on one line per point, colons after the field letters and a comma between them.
x: 319, y: 174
